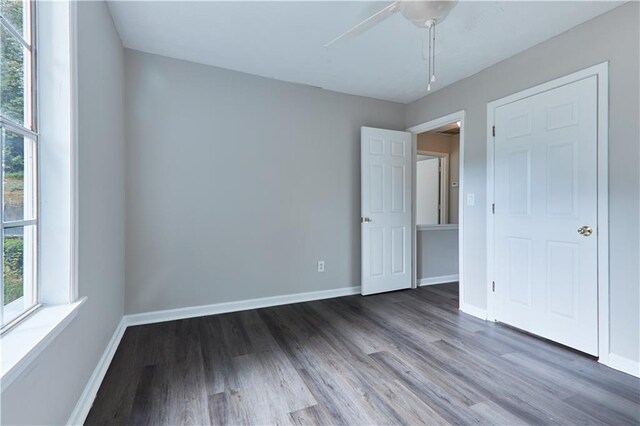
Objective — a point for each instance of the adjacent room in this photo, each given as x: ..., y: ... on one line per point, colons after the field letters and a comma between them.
x: 436, y: 202
x: 320, y: 212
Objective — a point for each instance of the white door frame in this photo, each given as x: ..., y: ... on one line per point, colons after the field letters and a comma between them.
x: 602, y: 73
x: 425, y: 127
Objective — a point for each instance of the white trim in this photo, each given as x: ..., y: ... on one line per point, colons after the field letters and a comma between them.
x: 438, y: 122
x: 81, y: 410
x: 22, y: 345
x: 489, y: 212
x: 55, y: 202
x: 442, y: 279
x: 15, y: 128
x: 425, y: 127
x: 241, y: 305
x: 414, y: 214
x: 602, y: 73
x: 75, y: 221
x: 17, y: 34
x: 19, y: 223
x: 473, y: 310
x: 446, y: 227
x: 624, y: 364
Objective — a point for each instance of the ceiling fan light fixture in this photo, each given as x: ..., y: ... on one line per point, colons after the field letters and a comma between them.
x: 423, y: 14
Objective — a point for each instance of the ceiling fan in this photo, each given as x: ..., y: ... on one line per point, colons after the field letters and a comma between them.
x: 422, y: 14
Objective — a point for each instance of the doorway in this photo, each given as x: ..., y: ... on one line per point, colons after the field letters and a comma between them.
x: 437, y: 213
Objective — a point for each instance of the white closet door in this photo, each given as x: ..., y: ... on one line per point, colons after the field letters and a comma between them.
x: 546, y: 215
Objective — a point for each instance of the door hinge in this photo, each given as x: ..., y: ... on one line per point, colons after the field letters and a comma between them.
x: 493, y: 208
x: 494, y: 131
x: 493, y: 286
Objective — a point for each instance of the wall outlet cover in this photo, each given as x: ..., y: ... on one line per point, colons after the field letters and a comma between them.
x: 471, y: 199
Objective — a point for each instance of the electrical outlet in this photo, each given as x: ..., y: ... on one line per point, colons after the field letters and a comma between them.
x: 320, y: 265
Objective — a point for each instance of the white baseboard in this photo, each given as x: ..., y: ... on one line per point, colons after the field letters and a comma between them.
x: 623, y: 364
x: 242, y: 305
x: 442, y: 279
x: 474, y: 310
x: 81, y: 410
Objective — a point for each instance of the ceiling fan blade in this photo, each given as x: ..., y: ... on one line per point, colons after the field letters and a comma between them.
x: 367, y: 23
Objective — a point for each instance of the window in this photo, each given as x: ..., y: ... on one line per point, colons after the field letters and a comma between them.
x: 19, y: 136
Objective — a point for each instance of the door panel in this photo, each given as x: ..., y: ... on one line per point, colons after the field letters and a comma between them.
x: 545, y: 190
x: 520, y: 182
x: 562, y: 276
x: 398, y: 180
x: 562, y: 183
x: 386, y: 203
x: 519, y: 270
x: 398, y: 255
x: 376, y: 188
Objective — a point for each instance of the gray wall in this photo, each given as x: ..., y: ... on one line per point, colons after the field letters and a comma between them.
x: 237, y: 185
x: 48, y: 391
x: 612, y: 37
x: 437, y: 253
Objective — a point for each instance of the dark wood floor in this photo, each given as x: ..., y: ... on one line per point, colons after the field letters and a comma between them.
x: 399, y: 358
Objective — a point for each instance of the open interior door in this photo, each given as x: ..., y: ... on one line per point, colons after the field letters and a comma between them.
x: 386, y: 231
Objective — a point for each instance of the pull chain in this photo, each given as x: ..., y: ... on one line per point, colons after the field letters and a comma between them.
x: 429, y: 75
x: 433, y: 69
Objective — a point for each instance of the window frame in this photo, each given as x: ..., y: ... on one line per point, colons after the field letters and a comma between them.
x: 28, y: 131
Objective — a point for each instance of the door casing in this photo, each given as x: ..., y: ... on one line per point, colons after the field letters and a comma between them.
x: 425, y: 127
x: 602, y: 73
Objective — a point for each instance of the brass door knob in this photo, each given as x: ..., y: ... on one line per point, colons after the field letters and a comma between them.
x: 585, y: 231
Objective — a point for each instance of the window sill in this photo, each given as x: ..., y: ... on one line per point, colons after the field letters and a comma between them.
x: 22, y: 344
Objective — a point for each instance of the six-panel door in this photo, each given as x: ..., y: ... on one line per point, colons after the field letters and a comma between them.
x: 545, y: 193
x: 386, y: 161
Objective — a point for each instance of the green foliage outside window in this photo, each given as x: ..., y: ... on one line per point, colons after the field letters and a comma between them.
x: 12, y: 106
x: 13, y: 257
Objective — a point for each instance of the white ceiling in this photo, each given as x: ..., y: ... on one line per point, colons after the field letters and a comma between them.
x: 284, y: 40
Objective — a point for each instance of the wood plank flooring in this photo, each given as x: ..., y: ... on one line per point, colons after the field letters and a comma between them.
x: 406, y: 357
